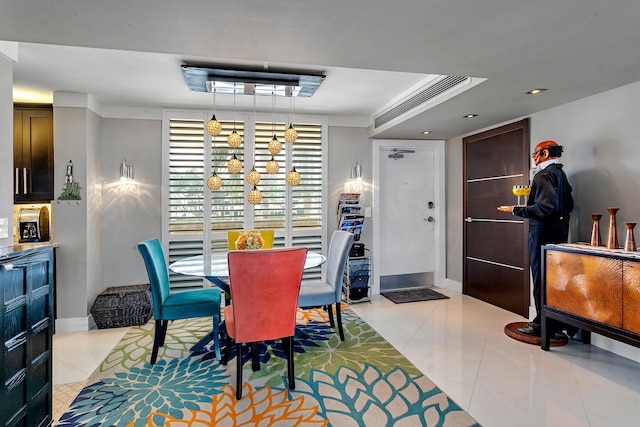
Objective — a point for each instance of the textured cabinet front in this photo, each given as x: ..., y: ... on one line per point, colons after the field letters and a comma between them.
x: 588, y: 286
x: 631, y: 297
x: 26, y: 284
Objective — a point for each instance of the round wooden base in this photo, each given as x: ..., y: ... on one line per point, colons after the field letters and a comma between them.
x: 511, y: 330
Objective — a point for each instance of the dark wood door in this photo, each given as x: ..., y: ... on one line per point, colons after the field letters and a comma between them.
x: 496, y: 262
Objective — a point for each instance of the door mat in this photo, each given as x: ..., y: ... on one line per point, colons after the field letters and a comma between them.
x: 413, y: 295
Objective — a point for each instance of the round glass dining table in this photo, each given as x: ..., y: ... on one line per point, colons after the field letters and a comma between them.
x: 215, y: 269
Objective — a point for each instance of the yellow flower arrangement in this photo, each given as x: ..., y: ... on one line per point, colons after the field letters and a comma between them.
x: 249, y: 240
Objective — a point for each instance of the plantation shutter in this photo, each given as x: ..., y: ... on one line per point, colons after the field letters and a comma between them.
x: 227, y: 203
x: 197, y: 219
x: 186, y: 175
x: 306, y: 197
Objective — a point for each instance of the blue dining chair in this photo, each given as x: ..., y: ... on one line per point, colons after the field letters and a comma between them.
x: 177, y: 305
x: 315, y: 293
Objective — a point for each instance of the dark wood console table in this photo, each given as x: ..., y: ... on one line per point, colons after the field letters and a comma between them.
x: 593, y: 288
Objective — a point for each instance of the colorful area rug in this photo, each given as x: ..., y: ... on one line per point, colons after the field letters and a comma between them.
x: 363, y: 381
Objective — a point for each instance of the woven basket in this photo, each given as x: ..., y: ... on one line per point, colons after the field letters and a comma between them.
x: 122, y: 306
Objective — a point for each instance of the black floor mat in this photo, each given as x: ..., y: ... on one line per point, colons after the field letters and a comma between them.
x: 413, y: 295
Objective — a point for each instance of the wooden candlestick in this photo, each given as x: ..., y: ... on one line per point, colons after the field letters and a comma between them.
x: 612, y: 241
x: 630, y: 241
x: 595, y: 230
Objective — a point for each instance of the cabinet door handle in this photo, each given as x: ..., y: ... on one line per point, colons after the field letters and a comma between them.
x: 25, y: 179
x: 17, y: 180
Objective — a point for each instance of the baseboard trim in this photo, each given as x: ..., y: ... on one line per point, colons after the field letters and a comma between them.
x: 72, y: 324
x: 454, y: 285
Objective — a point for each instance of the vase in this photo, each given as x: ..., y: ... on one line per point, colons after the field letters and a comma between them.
x: 612, y: 241
x: 595, y: 230
x: 630, y: 241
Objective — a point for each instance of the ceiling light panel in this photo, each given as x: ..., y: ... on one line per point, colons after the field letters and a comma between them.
x: 251, y: 82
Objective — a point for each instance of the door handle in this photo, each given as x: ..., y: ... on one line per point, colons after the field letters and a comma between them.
x: 17, y: 180
x: 430, y: 219
x: 25, y: 179
x: 468, y: 219
x: 430, y: 205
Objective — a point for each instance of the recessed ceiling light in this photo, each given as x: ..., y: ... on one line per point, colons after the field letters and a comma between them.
x: 535, y: 91
x: 470, y: 116
x: 426, y: 132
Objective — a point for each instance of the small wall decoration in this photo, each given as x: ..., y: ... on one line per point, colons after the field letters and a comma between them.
x: 71, y: 188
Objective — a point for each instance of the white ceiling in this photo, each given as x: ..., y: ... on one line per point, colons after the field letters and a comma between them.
x: 128, y: 53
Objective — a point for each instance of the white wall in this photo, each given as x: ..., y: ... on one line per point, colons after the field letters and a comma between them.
x: 347, y: 145
x: 70, y: 217
x: 6, y: 146
x: 130, y: 214
x: 94, y: 207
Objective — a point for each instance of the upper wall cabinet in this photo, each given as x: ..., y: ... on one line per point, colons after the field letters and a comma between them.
x: 33, y: 154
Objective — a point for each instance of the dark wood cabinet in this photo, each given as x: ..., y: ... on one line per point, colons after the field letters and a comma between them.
x: 26, y: 324
x: 33, y: 154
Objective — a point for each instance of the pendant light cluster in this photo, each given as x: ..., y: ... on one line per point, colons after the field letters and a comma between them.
x: 253, y: 177
x: 234, y: 165
x: 214, y: 128
x: 234, y: 140
x: 290, y: 135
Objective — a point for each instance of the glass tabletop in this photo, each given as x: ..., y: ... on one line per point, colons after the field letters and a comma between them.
x: 215, y: 265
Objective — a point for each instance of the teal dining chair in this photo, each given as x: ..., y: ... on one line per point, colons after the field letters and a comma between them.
x: 264, y: 294
x: 169, y: 305
x: 317, y: 293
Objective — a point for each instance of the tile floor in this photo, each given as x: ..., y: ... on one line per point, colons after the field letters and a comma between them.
x: 459, y: 343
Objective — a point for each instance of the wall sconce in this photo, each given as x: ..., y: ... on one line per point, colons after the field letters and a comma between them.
x: 126, y: 171
x: 355, y: 184
x: 356, y: 172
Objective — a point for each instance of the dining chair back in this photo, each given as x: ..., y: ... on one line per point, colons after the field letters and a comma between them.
x: 179, y: 305
x: 267, y: 236
x: 264, y: 297
x: 316, y: 293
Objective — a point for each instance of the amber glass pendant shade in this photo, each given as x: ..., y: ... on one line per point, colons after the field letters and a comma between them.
x: 213, y: 126
x: 291, y: 134
x: 234, y: 140
x: 255, y: 196
x: 272, y: 166
x: 274, y: 146
x: 234, y: 165
x: 293, y: 177
x: 214, y: 182
x: 253, y: 177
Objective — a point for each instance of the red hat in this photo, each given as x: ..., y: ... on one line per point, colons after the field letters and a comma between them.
x: 546, y: 144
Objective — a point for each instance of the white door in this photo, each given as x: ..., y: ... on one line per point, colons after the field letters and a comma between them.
x: 409, y: 215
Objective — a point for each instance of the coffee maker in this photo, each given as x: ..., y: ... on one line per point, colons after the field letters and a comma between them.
x: 33, y: 225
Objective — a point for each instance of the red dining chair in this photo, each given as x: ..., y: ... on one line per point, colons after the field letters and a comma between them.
x: 264, y: 298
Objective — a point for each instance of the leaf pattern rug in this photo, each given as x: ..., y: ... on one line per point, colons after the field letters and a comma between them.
x: 363, y: 381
